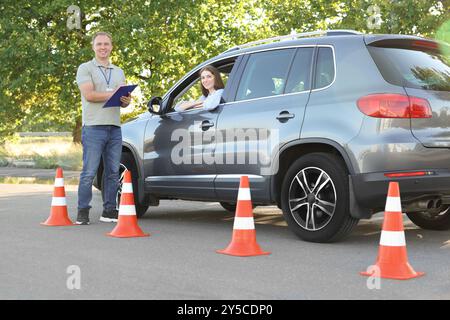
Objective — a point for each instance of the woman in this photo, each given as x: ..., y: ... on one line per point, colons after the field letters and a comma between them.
x: 212, y: 89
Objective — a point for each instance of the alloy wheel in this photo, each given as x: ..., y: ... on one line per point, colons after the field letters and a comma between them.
x: 312, y: 198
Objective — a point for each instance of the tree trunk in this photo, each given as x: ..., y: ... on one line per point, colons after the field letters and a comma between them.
x: 76, y: 132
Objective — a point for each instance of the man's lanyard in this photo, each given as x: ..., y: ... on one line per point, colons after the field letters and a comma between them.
x: 104, y: 75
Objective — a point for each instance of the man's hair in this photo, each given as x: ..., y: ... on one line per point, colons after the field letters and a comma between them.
x: 102, y: 33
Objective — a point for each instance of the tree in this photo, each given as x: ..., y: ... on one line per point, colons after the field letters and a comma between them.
x: 157, y: 41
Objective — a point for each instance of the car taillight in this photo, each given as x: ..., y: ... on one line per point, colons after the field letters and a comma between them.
x: 425, y: 44
x: 388, y: 105
x: 408, y: 174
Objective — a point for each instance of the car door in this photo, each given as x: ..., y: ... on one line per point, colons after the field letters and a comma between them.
x: 266, y: 112
x: 179, y: 146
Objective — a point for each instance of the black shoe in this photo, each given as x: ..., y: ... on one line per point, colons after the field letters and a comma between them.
x: 83, y: 217
x: 110, y: 215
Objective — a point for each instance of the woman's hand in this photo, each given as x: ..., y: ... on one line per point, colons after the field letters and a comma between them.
x: 191, y: 105
x: 198, y: 105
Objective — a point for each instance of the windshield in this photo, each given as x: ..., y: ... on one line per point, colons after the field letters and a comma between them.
x: 412, y: 68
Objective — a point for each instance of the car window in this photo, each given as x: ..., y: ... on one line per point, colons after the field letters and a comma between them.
x: 324, y: 68
x: 191, y: 93
x: 265, y: 74
x: 413, y: 68
x: 299, y: 75
x: 192, y: 90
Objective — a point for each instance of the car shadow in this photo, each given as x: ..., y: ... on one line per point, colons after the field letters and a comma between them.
x: 270, y: 220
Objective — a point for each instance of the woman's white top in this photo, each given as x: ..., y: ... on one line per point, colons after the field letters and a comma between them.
x: 209, y: 103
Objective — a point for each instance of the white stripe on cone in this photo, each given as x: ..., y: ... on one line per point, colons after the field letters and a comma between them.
x: 127, y: 210
x: 244, y: 194
x: 127, y: 188
x: 58, y: 201
x: 243, y: 223
x: 59, y: 182
x: 393, y: 204
x: 392, y: 238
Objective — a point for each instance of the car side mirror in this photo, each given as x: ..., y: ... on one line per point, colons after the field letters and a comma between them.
x: 155, y: 105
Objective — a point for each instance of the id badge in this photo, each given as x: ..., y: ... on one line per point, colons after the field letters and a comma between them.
x: 109, y: 89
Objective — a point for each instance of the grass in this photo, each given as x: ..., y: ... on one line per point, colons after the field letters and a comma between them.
x: 34, y: 180
x: 42, y: 152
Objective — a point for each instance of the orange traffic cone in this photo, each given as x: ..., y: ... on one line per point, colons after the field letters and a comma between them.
x: 243, y: 242
x: 392, y: 260
x: 58, y: 213
x: 127, y: 226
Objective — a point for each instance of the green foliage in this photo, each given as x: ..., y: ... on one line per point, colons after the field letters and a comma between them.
x: 158, y: 41
x: 443, y: 35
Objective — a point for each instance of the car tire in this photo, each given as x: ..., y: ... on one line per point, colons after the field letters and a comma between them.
x: 315, y: 198
x: 127, y: 162
x: 231, y: 207
x: 427, y: 221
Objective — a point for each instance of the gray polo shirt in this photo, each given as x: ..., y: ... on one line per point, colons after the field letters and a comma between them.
x: 92, y: 112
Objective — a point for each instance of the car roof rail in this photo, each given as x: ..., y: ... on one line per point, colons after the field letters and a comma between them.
x: 294, y: 35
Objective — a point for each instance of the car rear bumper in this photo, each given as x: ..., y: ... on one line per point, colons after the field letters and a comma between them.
x: 369, y: 190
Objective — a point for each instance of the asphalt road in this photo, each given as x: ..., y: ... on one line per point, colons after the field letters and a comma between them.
x: 178, y: 260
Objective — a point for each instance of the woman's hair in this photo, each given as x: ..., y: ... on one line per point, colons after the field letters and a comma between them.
x: 218, y: 83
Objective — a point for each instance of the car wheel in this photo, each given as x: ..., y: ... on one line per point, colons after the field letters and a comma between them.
x: 425, y: 220
x: 230, y: 206
x: 315, y: 198
x: 127, y: 163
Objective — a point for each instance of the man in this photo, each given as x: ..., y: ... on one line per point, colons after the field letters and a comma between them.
x: 101, y: 135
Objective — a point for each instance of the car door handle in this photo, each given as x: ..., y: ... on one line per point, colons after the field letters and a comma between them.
x: 205, y: 125
x: 285, y: 116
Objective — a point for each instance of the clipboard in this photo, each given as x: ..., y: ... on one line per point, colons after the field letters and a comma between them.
x: 114, y: 101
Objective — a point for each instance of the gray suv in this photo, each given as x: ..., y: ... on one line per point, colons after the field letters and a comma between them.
x: 320, y: 122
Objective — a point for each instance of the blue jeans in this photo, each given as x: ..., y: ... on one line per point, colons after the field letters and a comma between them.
x: 103, y: 141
